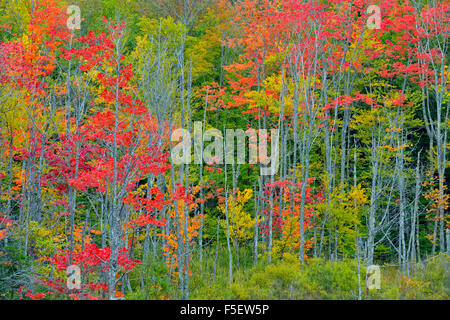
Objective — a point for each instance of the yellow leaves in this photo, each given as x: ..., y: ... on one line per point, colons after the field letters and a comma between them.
x: 289, y: 239
x: 141, y: 190
x: 166, y: 28
x: 26, y: 41
x: 355, y: 198
x: 345, y: 209
x: 15, y: 13
x: 244, y: 196
x: 59, y: 238
x: 269, y: 97
x: 46, y: 241
x: 240, y: 222
x: 358, y: 196
x: 12, y: 107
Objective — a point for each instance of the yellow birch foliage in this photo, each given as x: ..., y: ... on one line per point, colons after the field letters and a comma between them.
x: 240, y: 222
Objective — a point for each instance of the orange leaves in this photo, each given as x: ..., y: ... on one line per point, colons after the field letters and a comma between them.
x: 85, y: 67
x: 398, y: 130
x: 286, y: 219
x: 96, y: 232
x: 175, y: 235
x: 78, y: 235
x: 118, y: 294
x: 18, y: 183
x: 2, y: 234
x: 260, y: 27
x: 47, y: 26
x: 395, y: 148
x: 239, y: 66
x: 438, y: 199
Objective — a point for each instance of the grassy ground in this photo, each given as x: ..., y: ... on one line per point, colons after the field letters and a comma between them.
x: 286, y: 279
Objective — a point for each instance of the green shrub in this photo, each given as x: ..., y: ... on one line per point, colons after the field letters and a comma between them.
x: 287, y: 280
x: 332, y: 280
x: 156, y: 283
x: 430, y: 280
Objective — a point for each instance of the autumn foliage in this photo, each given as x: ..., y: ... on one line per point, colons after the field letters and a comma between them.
x: 87, y: 176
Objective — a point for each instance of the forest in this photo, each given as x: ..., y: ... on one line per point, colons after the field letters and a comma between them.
x: 224, y: 149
